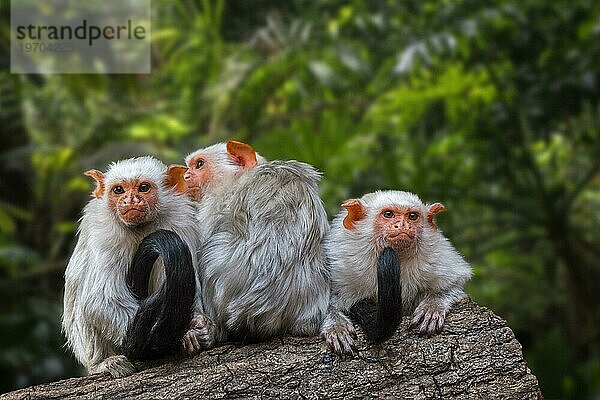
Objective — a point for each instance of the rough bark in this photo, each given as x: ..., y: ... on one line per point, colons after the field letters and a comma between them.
x: 476, y: 356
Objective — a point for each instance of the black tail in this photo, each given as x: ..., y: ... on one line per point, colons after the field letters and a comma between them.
x: 164, y: 317
x: 380, y: 321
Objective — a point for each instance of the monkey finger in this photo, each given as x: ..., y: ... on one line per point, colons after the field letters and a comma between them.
x: 120, y: 371
x: 352, y: 334
x: 190, y: 346
x: 203, y: 331
x: 440, y: 322
x: 352, y: 350
x: 334, y: 346
x: 337, y: 346
x: 206, y: 342
x: 195, y: 344
x: 425, y: 323
x: 186, y: 345
x: 349, y: 347
x: 352, y: 340
x: 433, y: 322
x: 416, y: 318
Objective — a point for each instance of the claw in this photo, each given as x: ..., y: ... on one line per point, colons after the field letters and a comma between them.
x: 440, y: 323
x: 425, y: 322
x: 415, y: 319
x: 340, y: 341
x: 428, y: 317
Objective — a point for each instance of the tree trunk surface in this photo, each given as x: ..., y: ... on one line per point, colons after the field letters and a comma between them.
x: 476, y: 356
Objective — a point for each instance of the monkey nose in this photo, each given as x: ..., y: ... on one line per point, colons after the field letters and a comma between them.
x: 129, y: 199
x: 187, y: 175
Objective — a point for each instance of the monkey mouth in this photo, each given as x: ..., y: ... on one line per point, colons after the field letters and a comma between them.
x: 133, y: 215
x: 400, y: 236
x: 134, y: 210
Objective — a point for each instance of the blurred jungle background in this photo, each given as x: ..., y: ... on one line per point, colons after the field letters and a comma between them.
x: 492, y: 108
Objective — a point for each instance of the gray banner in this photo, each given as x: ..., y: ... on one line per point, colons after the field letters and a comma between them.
x: 74, y: 36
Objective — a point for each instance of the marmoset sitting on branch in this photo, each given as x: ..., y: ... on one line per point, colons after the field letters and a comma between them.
x: 249, y: 254
x: 389, y: 258
x: 134, y: 198
x: 263, y: 224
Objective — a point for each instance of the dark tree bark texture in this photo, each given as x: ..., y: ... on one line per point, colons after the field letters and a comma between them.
x: 476, y: 356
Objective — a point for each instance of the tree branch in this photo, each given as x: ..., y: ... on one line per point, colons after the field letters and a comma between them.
x: 475, y: 356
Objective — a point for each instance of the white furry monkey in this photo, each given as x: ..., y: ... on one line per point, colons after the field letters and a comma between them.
x: 134, y: 198
x: 263, y: 225
x: 368, y: 243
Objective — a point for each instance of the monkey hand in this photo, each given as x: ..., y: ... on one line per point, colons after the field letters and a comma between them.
x: 200, y: 336
x: 340, y: 339
x: 117, y: 366
x: 428, y: 317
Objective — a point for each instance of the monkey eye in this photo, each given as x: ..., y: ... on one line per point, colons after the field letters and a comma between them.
x: 413, y: 216
x: 388, y: 214
x: 144, y: 187
x: 118, y: 189
x: 199, y: 164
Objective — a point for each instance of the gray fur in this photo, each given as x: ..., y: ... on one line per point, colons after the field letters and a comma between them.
x: 264, y: 264
x: 432, y: 275
x: 98, y: 306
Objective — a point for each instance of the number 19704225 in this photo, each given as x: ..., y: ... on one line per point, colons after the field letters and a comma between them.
x: 36, y: 47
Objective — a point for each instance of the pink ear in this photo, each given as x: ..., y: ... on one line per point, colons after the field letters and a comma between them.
x: 434, y: 209
x: 243, y: 154
x: 174, y: 178
x: 356, y: 212
x: 99, y: 178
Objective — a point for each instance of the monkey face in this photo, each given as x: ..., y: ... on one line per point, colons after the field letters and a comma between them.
x: 198, y: 176
x: 400, y: 227
x: 217, y: 166
x: 134, y: 202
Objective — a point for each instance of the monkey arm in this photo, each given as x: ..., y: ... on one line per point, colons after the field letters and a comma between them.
x: 108, y: 310
x: 442, y: 287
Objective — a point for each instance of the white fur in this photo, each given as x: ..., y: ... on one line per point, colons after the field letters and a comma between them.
x: 264, y: 268
x: 98, y: 306
x: 433, y: 269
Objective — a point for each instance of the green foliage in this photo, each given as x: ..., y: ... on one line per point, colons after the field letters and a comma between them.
x: 491, y: 108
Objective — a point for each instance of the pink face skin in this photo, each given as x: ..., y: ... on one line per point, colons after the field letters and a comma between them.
x: 198, y: 176
x: 204, y: 169
x: 134, y: 202
x: 399, y: 226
